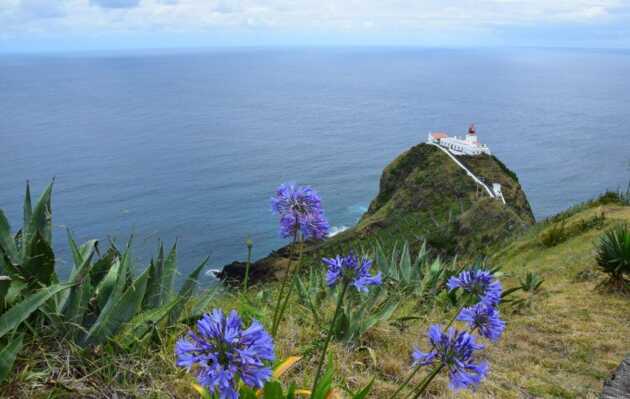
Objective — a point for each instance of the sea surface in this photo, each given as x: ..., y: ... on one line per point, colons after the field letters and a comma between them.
x: 190, y: 145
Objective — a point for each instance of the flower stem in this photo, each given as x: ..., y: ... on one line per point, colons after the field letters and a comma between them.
x: 291, y: 285
x: 459, y: 310
x: 425, y: 383
x: 249, y: 262
x: 330, y: 333
x: 283, y: 286
x: 406, y: 382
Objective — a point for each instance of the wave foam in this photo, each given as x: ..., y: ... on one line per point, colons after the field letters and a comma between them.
x: 334, y: 230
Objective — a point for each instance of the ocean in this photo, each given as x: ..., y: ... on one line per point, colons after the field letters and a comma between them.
x: 190, y: 145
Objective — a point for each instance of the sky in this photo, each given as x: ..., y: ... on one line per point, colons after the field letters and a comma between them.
x: 77, y: 25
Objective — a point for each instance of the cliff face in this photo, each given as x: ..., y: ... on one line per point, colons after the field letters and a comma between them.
x: 425, y: 196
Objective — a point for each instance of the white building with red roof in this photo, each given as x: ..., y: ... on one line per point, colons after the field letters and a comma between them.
x: 469, y: 145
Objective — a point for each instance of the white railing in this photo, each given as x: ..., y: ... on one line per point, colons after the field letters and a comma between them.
x: 468, y: 172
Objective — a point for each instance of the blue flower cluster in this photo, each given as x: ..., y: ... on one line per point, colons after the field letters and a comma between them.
x: 484, y: 319
x: 479, y: 283
x: 352, y: 270
x: 300, y: 210
x: 454, y: 349
x: 224, y: 353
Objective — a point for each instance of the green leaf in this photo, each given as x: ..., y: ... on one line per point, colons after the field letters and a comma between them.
x: 7, y: 243
x: 168, y: 275
x: 5, y: 282
x: 119, y: 310
x: 152, y: 297
x: 291, y: 391
x: 247, y: 393
x: 40, y: 220
x: 364, y: 392
x: 383, y: 315
x: 185, y: 293
x: 106, y: 286
x: 8, y: 355
x: 13, y: 317
x: 324, y: 385
x: 80, y: 254
x: 273, y: 390
x: 102, y: 266
x: 75, y: 304
x: 141, y: 324
x: 15, y: 290
x: 28, y: 208
x: 39, y: 260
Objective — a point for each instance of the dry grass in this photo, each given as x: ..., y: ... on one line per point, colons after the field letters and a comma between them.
x: 563, y: 346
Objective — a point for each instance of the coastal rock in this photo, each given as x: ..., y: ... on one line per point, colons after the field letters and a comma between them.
x: 618, y: 385
x: 269, y: 268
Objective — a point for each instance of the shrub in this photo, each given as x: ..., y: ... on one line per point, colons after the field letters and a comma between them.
x: 613, y: 254
x: 554, y: 235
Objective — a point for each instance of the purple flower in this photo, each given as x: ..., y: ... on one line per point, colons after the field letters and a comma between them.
x: 300, y: 209
x: 353, y: 271
x: 224, y: 352
x: 455, y: 350
x: 485, y: 319
x: 479, y: 283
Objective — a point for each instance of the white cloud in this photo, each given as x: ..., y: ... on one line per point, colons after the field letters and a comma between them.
x: 404, y: 18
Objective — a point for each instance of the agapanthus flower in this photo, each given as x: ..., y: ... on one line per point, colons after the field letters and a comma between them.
x: 455, y: 350
x: 223, y: 352
x: 480, y: 283
x: 485, y: 319
x: 300, y: 209
x: 352, y: 270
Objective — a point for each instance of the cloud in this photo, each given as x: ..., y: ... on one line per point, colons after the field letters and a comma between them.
x: 211, y: 22
x: 116, y: 3
x: 42, y: 8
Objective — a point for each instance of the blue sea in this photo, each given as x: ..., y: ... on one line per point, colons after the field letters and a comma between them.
x: 190, y: 145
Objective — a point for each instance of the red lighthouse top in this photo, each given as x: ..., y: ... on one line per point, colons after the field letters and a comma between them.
x: 471, y: 129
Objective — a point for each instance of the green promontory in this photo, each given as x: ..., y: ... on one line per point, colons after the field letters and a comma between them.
x: 425, y: 196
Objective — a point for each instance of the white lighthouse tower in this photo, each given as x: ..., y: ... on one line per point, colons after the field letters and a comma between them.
x: 471, y: 136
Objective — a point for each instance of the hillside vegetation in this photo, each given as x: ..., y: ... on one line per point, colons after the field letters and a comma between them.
x: 561, y: 342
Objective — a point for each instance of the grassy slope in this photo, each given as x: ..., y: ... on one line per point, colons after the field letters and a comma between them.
x: 576, y: 334
x: 564, y: 346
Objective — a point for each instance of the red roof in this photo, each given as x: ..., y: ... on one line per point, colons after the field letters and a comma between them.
x: 439, y: 135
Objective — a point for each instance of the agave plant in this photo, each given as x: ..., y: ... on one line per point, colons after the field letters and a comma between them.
x: 362, y: 311
x: 419, y: 276
x: 101, y: 301
x: 613, y: 254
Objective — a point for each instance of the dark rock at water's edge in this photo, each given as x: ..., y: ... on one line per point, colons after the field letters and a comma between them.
x: 265, y: 269
x: 423, y: 197
x: 618, y: 385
